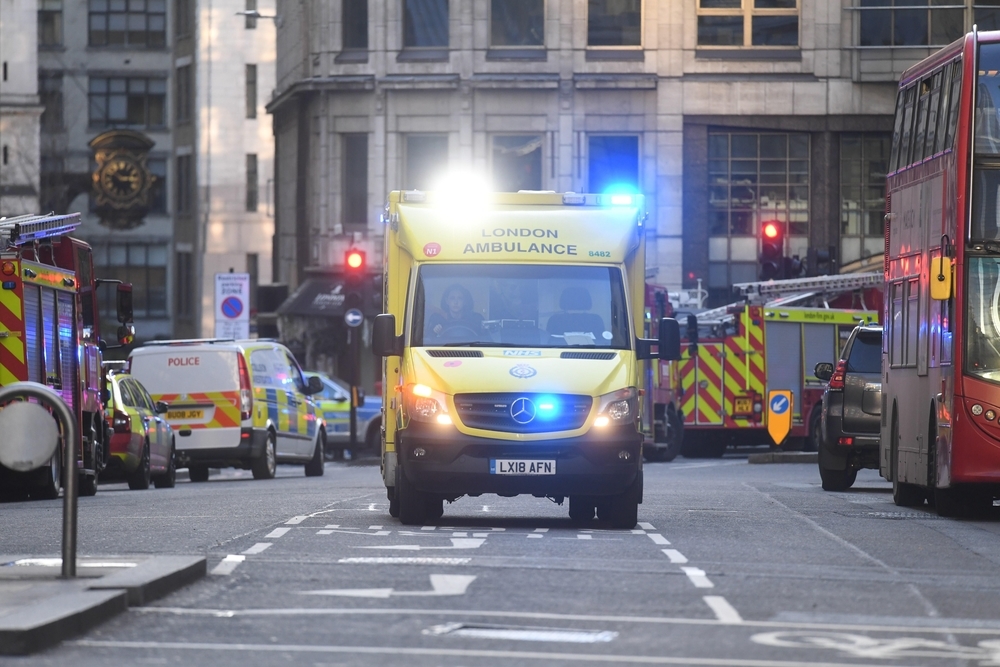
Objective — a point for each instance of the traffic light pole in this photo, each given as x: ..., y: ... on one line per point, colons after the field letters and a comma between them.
x: 353, y: 350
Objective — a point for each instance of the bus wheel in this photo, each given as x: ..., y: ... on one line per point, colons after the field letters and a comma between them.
x: 903, y: 494
x: 412, y: 503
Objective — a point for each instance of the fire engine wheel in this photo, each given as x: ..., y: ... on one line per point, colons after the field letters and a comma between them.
x: 412, y: 503
x: 581, y: 509
x: 315, y: 466
x: 49, y: 479
x: 88, y: 485
x: 265, y: 465
x: 903, y: 493
x: 169, y: 478
x: 140, y: 477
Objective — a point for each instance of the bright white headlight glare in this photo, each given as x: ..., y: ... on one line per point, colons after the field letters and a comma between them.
x: 619, y: 407
x: 426, y: 405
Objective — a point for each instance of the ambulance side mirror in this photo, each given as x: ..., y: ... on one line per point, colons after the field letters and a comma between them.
x: 123, y: 302
x: 385, y: 342
x: 669, y: 339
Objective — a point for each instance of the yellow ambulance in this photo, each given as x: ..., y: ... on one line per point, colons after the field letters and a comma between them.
x: 512, y: 350
x: 234, y: 403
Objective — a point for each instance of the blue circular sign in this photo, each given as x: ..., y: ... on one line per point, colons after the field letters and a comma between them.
x: 779, y: 404
x: 354, y: 317
x: 232, y: 307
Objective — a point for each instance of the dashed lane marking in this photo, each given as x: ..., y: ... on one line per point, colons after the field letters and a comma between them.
x: 646, y: 526
x: 675, y: 556
x: 657, y: 538
x: 697, y: 577
x: 724, y: 611
x: 428, y: 527
x: 456, y: 543
x: 374, y: 527
x: 584, y: 536
x: 416, y: 560
x: 372, y: 508
x: 257, y: 548
x: 276, y: 533
x: 228, y: 564
x: 541, y: 530
x: 295, y: 519
x: 535, y: 536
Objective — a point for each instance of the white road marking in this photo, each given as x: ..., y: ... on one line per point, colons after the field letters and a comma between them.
x: 697, y: 577
x: 324, y: 532
x: 456, y: 543
x: 371, y: 507
x: 332, y: 525
x: 509, y: 657
x: 414, y: 560
x: 675, y: 556
x: 657, y: 538
x: 541, y: 530
x: 724, y: 611
x: 480, y: 534
x: 428, y: 527
x: 535, y: 536
x: 228, y: 564
x: 374, y: 527
x: 638, y: 531
x: 257, y: 548
x: 276, y: 533
x: 295, y: 519
x: 645, y: 525
x: 441, y: 585
x: 459, y: 534
x: 521, y: 634
x: 486, y: 508
x: 583, y: 536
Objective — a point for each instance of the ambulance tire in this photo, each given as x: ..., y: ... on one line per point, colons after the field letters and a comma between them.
x: 373, y: 438
x: 434, y: 508
x: 265, y: 465
x: 315, y: 466
x: 581, y: 509
x: 675, y: 436
x: 140, y: 478
x: 49, y: 479
x: 393, y: 502
x: 412, y: 503
x: 622, y: 511
x: 198, y: 473
x: 168, y: 479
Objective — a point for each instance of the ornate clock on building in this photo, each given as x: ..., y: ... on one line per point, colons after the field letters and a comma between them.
x: 122, y: 180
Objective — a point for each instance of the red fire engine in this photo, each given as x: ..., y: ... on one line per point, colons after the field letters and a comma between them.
x: 50, y: 332
x: 716, y: 394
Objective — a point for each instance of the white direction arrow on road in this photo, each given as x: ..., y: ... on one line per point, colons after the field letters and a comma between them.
x: 456, y: 543
x: 441, y: 584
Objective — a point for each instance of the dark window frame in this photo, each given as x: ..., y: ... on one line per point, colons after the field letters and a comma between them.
x: 422, y: 36
x: 253, y: 183
x: 50, y: 24
x: 354, y: 25
x: 120, y: 87
x: 752, y: 15
x: 120, y: 16
x: 149, y: 281
x: 537, y: 43
x: 354, y: 178
x: 250, y: 83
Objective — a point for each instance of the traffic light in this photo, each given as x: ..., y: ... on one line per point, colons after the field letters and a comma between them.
x: 355, y: 262
x: 772, y: 251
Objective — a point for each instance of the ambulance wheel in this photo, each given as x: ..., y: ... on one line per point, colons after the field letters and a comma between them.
x: 315, y: 466
x: 198, y: 473
x: 434, y: 508
x: 265, y: 465
x: 168, y: 479
x: 49, y: 479
x: 675, y: 436
x: 581, y: 509
x: 140, y: 477
x: 412, y: 503
x: 88, y: 485
x: 373, y: 438
x: 393, y: 503
x: 622, y: 511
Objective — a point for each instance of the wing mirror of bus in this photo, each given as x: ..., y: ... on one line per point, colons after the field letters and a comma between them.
x: 669, y: 339
x: 123, y: 302
x: 941, y: 277
x: 385, y: 342
x: 823, y: 371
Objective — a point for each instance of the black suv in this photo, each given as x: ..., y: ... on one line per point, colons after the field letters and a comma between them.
x: 852, y: 409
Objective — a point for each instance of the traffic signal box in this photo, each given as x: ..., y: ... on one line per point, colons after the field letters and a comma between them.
x: 772, y: 251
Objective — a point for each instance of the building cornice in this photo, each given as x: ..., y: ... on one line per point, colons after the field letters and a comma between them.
x: 345, y: 83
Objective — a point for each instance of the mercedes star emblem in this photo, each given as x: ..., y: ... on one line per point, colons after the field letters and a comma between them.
x: 522, y: 410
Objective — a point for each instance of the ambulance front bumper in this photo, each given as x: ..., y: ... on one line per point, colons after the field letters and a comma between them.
x: 600, y: 463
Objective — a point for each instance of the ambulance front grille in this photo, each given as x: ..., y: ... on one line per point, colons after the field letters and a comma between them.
x: 454, y: 353
x: 548, y: 412
x: 603, y: 356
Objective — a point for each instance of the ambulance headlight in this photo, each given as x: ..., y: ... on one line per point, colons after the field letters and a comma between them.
x: 618, y: 407
x: 424, y: 404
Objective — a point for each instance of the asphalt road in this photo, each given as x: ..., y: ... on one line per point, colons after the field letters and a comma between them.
x: 732, y: 564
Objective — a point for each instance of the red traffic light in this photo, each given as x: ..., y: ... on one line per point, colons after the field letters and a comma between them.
x: 354, y: 260
x: 772, y: 230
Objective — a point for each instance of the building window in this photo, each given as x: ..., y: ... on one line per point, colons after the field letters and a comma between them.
x: 158, y: 191
x: 50, y: 91
x: 426, y: 160
x: 517, y: 23
x: 253, y: 268
x: 185, y: 184
x: 740, y: 23
x: 183, y: 94
x: 425, y: 23
x: 354, y: 23
x: 128, y: 23
x: 253, y: 194
x: 184, y: 286
x: 517, y: 163
x: 613, y: 163
x: 753, y: 178
x: 183, y: 18
x: 251, y: 21
x: 864, y: 163
x: 614, y: 22
x: 135, y: 101
x: 354, y: 176
x: 903, y: 23
x: 142, y: 264
x: 50, y: 23
x: 985, y: 15
x: 251, y: 91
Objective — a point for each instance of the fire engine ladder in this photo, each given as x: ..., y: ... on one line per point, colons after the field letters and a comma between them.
x: 25, y: 228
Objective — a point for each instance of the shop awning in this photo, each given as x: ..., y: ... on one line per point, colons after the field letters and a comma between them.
x: 316, y: 297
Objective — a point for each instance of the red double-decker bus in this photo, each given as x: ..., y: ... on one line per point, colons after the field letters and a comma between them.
x: 940, y: 438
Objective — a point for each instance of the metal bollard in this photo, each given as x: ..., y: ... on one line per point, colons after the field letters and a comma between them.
x: 50, y: 399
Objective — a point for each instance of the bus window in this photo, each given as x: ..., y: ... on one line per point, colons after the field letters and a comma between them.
x: 988, y: 101
x: 896, y: 132
x: 942, y: 119
x: 908, y: 109
x: 932, y: 113
x: 982, y: 330
x: 954, y: 98
x: 920, y: 127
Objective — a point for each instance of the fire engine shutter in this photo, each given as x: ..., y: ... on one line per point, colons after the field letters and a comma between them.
x: 784, y: 359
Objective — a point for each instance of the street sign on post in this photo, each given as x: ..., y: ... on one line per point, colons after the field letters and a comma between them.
x: 779, y: 414
x: 232, y: 305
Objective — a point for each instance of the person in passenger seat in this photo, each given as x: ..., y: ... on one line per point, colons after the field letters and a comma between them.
x: 574, y: 316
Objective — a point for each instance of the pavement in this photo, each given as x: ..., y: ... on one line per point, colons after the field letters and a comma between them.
x: 39, y: 609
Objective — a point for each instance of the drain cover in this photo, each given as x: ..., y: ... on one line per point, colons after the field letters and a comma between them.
x: 524, y: 634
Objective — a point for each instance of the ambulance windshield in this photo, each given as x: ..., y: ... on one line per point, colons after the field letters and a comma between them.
x: 505, y: 305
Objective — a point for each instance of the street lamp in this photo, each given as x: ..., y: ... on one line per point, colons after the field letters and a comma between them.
x: 254, y: 14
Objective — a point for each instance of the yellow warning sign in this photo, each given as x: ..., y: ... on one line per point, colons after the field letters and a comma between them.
x: 779, y: 414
